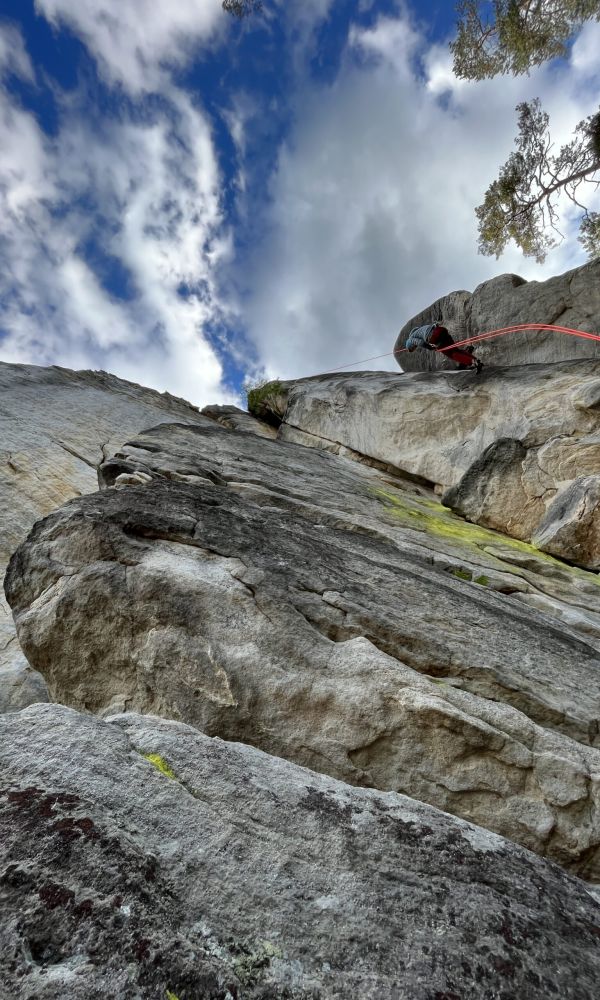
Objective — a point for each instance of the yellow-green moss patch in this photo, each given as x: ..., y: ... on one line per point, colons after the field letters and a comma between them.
x: 259, y: 392
x: 436, y: 520
x: 462, y: 574
x: 161, y: 764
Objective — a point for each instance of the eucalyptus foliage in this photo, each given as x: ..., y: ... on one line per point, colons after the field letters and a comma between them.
x: 242, y: 8
x: 512, y: 36
x: 522, y: 203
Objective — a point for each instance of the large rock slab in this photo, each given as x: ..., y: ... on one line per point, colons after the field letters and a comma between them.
x: 140, y: 859
x: 500, y: 447
x: 302, y: 603
x: 56, y: 426
x: 571, y: 300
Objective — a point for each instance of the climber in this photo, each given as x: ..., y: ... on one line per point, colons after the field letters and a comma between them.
x: 434, y: 337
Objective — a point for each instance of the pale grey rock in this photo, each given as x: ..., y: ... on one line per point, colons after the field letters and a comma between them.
x: 239, y: 420
x: 304, y: 604
x: 571, y: 526
x: 571, y: 300
x: 20, y: 685
x: 56, y: 426
x: 493, y: 487
x: 231, y: 874
x: 587, y: 396
x: 500, y: 447
x: 575, y: 618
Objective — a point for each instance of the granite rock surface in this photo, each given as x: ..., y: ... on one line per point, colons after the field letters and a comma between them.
x: 571, y: 300
x: 502, y: 448
x: 312, y: 607
x: 239, y: 420
x: 56, y: 426
x: 142, y: 860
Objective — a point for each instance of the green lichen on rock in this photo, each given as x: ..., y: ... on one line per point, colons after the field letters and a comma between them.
x: 259, y: 392
x: 171, y: 996
x: 435, y: 519
x: 482, y: 580
x: 438, y: 521
x: 250, y: 965
x: 161, y: 765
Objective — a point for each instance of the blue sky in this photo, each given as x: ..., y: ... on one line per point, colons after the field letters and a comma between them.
x: 190, y: 201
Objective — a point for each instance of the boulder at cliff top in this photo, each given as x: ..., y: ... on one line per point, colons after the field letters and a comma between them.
x: 571, y: 299
x: 301, y: 603
x: 142, y: 860
x: 56, y: 426
x: 501, y: 447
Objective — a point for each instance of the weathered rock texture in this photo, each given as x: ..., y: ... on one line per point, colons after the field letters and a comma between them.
x: 571, y: 299
x: 140, y: 859
x: 302, y: 603
x: 513, y: 449
x: 55, y: 427
x: 239, y: 420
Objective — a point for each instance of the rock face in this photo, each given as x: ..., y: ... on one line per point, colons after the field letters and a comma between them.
x: 571, y: 527
x: 55, y: 427
x: 503, y: 448
x: 239, y: 420
x: 304, y: 604
x: 571, y: 299
x: 140, y: 859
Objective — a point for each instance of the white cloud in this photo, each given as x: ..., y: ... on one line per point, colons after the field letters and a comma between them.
x: 13, y: 54
x: 147, y: 194
x: 393, y: 40
x: 372, y: 212
x: 22, y: 156
x: 371, y: 215
x: 440, y: 76
x: 134, y: 41
x: 584, y: 57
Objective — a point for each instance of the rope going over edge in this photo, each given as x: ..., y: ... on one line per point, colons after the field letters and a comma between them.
x: 488, y: 335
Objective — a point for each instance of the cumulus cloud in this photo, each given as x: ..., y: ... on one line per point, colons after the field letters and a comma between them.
x: 136, y: 41
x: 372, y: 205
x: 134, y: 203
x: 584, y: 56
x: 113, y: 233
x: 392, y: 40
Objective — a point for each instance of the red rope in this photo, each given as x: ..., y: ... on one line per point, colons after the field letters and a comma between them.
x: 489, y: 335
